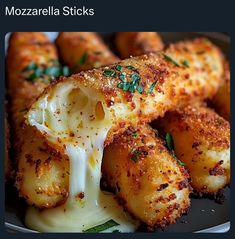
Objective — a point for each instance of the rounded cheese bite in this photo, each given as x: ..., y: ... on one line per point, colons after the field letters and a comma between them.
x: 221, y: 101
x: 202, y: 141
x: 84, y: 50
x: 41, y: 175
x: 147, y: 179
x: 138, y: 43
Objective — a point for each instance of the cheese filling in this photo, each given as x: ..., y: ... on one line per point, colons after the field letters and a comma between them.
x: 74, y: 119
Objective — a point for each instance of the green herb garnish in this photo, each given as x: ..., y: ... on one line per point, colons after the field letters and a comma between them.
x: 135, y: 77
x: 150, y: 90
x: 52, y: 71
x: 82, y: 59
x: 131, y: 68
x: 65, y: 71
x: 136, y: 153
x: 169, y: 142
x: 102, y: 227
x: 119, y: 67
x: 140, y: 89
x: 30, y: 67
x: 122, y: 76
x: 170, y: 146
x: 109, y: 73
x: 135, y: 134
x: 171, y: 60
x: 185, y: 63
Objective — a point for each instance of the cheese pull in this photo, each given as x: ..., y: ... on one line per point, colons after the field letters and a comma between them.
x: 80, y: 114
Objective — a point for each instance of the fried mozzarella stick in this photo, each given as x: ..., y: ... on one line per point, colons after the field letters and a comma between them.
x: 138, y: 43
x: 147, y: 179
x: 31, y: 64
x: 201, y: 141
x: 84, y: 50
x: 80, y: 114
x: 202, y: 181
x: 153, y: 207
x: 221, y: 101
x: 136, y: 89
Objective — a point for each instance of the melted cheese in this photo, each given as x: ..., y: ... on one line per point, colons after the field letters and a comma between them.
x: 74, y: 118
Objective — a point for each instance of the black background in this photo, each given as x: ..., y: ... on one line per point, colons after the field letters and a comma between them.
x: 119, y: 15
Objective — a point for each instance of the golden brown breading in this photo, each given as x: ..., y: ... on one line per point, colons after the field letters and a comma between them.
x: 171, y: 85
x: 202, y: 141
x: 25, y: 49
x: 147, y: 179
x: 138, y: 43
x: 222, y: 104
x: 84, y: 50
x: 221, y: 101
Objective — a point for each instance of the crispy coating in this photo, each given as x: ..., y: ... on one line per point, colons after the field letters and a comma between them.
x: 172, y: 85
x: 159, y: 209
x: 42, y: 190
x: 7, y: 165
x: 189, y: 117
x: 84, y: 50
x: 202, y: 141
x: 138, y: 43
x: 148, y: 181
x: 221, y: 101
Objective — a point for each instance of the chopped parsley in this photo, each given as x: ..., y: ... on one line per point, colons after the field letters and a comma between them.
x: 30, y: 67
x: 122, y: 76
x: 34, y: 71
x: 138, y: 154
x: 171, y: 60
x: 129, y: 82
x: 135, y: 134
x: 131, y: 68
x: 150, y: 90
x: 109, y: 73
x: 170, y: 147
x: 102, y: 227
x: 119, y: 68
x: 169, y: 142
x: 185, y: 63
x: 82, y: 59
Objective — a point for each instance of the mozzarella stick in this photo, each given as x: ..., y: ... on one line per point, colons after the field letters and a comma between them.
x: 154, y: 207
x: 137, y: 89
x: 138, y: 43
x: 31, y: 65
x: 80, y: 114
x: 201, y: 141
x: 84, y: 50
x: 221, y: 101
x: 147, y: 179
x: 203, y: 182
x: 126, y: 93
